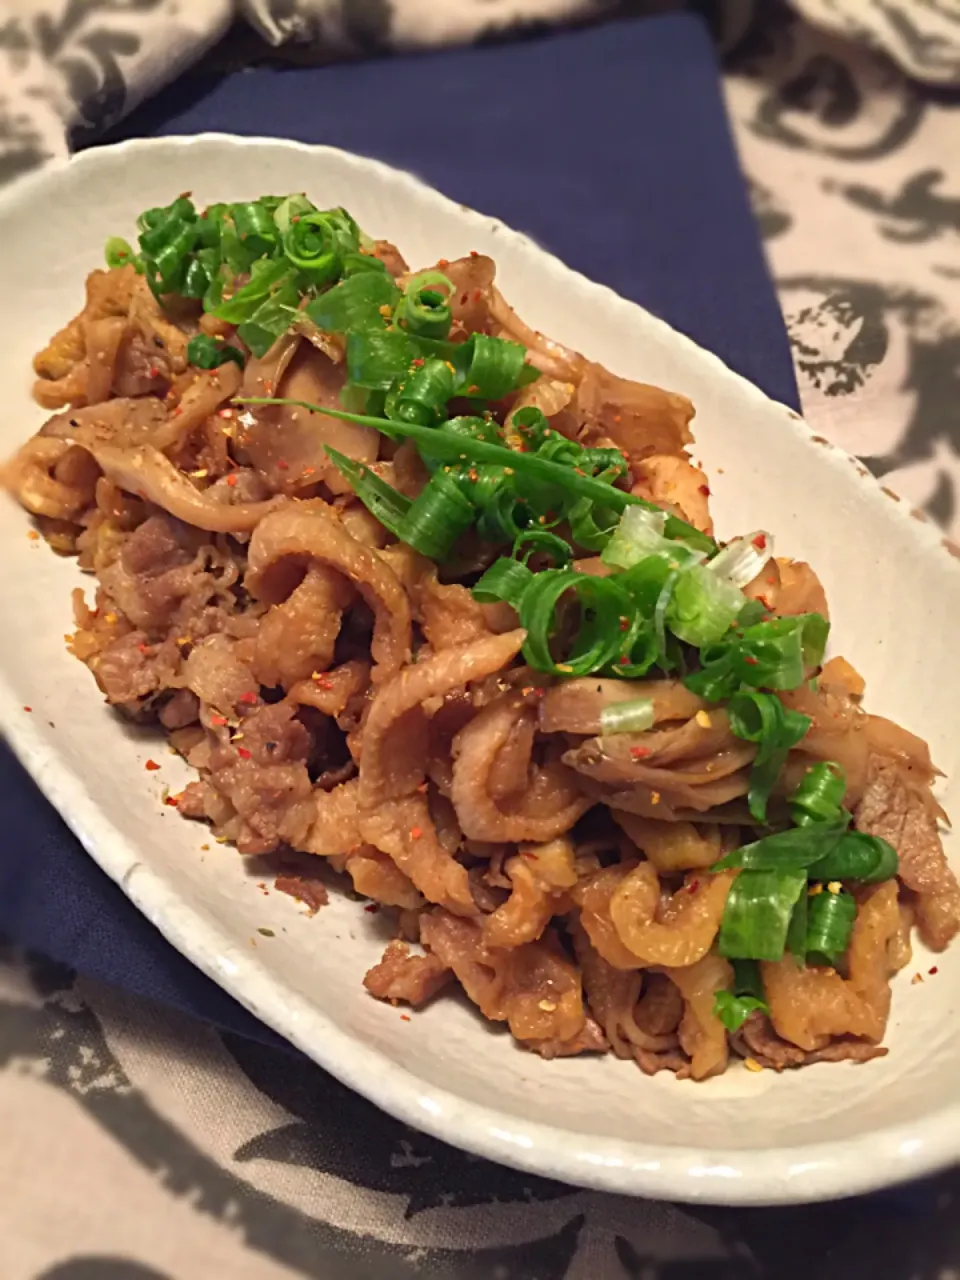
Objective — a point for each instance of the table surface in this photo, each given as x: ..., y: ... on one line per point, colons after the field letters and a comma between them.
x: 232, y: 1158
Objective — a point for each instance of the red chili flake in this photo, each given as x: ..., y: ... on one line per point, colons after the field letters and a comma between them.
x: 474, y: 254
x: 231, y: 480
x: 639, y: 753
x: 143, y: 648
x: 472, y: 389
x: 268, y: 388
x: 173, y: 801
x: 226, y: 413
x: 416, y: 833
x: 624, y: 624
x: 623, y: 660
x: 249, y: 698
x: 243, y: 753
x: 477, y: 295
x: 371, y: 908
x: 33, y: 535
x: 750, y: 660
x: 693, y: 886
x: 151, y: 765
x: 932, y: 971
x: 404, y: 1017
x: 418, y: 363
x: 283, y: 464
x: 443, y: 262
x: 28, y: 708
x: 760, y: 541
x: 154, y: 372
x: 705, y: 490
x: 219, y: 721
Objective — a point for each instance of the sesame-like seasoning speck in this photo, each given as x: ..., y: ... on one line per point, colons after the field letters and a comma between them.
x: 752, y: 1064
x: 703, y: 719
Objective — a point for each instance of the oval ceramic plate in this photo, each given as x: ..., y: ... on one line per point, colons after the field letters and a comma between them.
x: 894, y: 589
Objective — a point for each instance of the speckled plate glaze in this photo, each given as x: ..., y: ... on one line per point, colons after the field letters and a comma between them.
x: 894, y: 589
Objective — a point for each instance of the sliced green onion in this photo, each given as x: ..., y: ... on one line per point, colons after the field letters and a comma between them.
x: 742, y: 559
x: 355, y: 303
x: 533, y: 542
x: 597, y: 639
x: 436, y: 518
x: 775, y: 654
x: 385, y: 503
x: 271, y: 318
x: 747, y: 996
x: 265, y: 276
x: 255, y: 227
x: 504, y: 515
x: 793, y: 850
x: 421, y: 396
x: 505, y: 580
x: 702, y: 606
x: 797, y: 929
x: 118, y: 252
x: 763, y: 719
x: 769, y: 655
x: 207, y: 352
x: 639, y: 534
x: 288, y: 208
x: 819, y: 795
x: 635, y: 716
x: 857, y: 856
x: 311, y: 243
x: 424, y: 309
x: 591, y: 526
x: 377, y: 358
x: 830, y: 923
x: 757, y: 914
x: 490, y: 368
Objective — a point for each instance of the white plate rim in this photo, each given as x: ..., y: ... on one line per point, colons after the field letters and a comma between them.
x: 781, y: 1175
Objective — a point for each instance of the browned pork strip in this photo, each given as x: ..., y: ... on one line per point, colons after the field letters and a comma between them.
x: 895, y: 808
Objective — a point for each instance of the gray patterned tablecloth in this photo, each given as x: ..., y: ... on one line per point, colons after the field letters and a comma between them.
x: 139, y: 1146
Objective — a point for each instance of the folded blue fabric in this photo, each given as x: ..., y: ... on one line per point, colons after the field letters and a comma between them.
x: 610, y: 146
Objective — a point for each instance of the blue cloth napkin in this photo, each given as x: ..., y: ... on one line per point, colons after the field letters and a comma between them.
x: 610, y: 146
